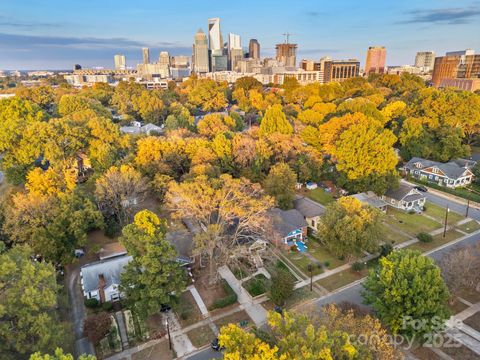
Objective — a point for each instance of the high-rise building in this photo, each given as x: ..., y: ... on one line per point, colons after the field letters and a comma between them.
x: 200, y: 52
x: 340, y: 70
x: 287, y: 54
x: 120, y: 63
x: 180, y: 61
x: 235, y: 51
x: 307, y: 65
x: 455, y: 68
x: 375, y: 63
x: 146, y: 55
x: 425, y: 60
x: 254, y: 49
x: 218, y: 59
x: 164, y: 58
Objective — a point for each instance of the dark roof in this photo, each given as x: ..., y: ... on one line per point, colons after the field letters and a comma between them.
x: 182, y: 241
x: 452, y: 169
x: 110, y: 270
x: 286, y: 221
x: 400, y: 192
x: 413, y: 197
x: 308, y: 208
x: 370, y: 198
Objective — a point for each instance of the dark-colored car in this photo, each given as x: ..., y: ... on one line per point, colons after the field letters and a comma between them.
x: 421, y: 188
x: 165, y: 308
x: 215, y: 345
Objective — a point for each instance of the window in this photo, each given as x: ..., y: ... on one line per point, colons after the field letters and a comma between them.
x: 430, y: 177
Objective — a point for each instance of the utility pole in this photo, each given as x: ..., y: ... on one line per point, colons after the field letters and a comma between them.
x: 168, y: 332
x: 446, y: 219
x: 468, y: 207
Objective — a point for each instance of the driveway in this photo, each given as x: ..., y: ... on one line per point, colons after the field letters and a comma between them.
x: 77, y: 311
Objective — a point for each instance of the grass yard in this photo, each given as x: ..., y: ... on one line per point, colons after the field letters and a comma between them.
x: 473, y: 321
x: 457, y: 307
x: 438, y: 213
x: 470, y: 295
x: 299, y: 296
x: 438, y: 240
x: 390, y: 236
x: 410, y: 223
x: 159, y: 351
x: 319, y: 195
x: 301, y: 261
x: 341, y: 278
x: 201, y: 336
x: 187, y: 310
x: 318, y: 251
x: 469, y: 227
x: 236, y: 318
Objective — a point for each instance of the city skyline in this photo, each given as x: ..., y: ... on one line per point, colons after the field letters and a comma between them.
x: 62, y: 38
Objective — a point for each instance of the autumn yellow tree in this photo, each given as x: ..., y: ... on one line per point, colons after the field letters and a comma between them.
x: 213, y: 124
x: 229, y: 213
x: 208, y: 95
x: 275, y: 121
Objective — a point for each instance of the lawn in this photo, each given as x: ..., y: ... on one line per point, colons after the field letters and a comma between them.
x: 159, y: 351
x: 201, y: 336
x: 456, y: 307
x: 438, y: 213
x: 318, y: 251
x: 257, y: 285
x: 187, y: 310
x: 469, y: 227
x: 300, y: 295
x: 341, y: 278
x: 319, y: 195
x: 410, y: 223
x: 438, y: 240
x: 301, y: 261
x: 390, y: 236
x: 235, y: 318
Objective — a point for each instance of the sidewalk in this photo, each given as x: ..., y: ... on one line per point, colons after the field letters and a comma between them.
x: 256, y: 311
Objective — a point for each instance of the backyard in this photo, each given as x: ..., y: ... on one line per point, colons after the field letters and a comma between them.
x: 319, y: 195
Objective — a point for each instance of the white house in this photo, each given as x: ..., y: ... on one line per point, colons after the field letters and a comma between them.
x: 405, y: 197
x: 100, y: 280
x: 136, y: 128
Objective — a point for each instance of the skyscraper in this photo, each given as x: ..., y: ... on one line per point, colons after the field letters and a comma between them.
x: 425, y: 60
x: 254, y: 49
x: 287, y: 53
x: 200, y: 52
x: 218, y: 60
x: 235, y: 52
x: 146, y: 55
x: 456, y: 65
x: 164, y: 58
x: 375, y: 63
x: 120, y: 63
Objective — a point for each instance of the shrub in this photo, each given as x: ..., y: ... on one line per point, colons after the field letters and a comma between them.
x: 91, y: 303
x: 107, y: 306
x: 96, y: 327
x: 424, y: 237
x: 358, y: 266
x: 257, y: 285
x: 281, y: 287
x: 327, y: 263
x: 385, y: 249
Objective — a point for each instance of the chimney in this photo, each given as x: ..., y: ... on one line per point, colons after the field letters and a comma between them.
x: 101, y: 287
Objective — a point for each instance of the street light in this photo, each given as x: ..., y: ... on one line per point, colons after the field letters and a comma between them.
x: 446, y: 219
x: 168, y: 332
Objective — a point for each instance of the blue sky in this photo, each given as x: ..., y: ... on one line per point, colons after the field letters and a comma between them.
x: 55, y: 34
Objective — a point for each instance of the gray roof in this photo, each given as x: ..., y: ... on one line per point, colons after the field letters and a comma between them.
x: 370, y: 198
x: 308, y: 208
x: 452, y: 169
x: 110, y: 269
x: 182, y: 241
x: 413, y: 197
x: 400, y: 192
x: 286, y: 221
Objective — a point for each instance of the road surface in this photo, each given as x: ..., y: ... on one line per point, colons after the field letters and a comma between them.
x: 82, y: 344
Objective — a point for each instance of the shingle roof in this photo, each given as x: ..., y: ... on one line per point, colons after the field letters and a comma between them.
x: 182, y: 241
x: 400, y: 192
x: 309, y: 208
x: 452, y: 169
x: 286, y: 221
x: 110, y: 269
x: 370, y: 198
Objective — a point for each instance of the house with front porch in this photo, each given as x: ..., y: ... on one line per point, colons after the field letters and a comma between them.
x: 453, y: 174
x: 289, y: 228
x: 405, y: 197
x: 371, y: 199
x: 310, y: 210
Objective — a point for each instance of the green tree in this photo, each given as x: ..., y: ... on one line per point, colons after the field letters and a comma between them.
x: 282, y: 287
x: 348, y: 227
x: 275, y: 121
x: 59, y: 355
x: 153, y: 277
x: 406, y: 290
x: 27, y: 304
x: 248, y: 83
x: 280, y: 183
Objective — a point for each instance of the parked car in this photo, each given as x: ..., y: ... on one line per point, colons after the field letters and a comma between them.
x: 311, y: 185
x: 421, y: 188
x: 216, y: 345
x: 79, y: 253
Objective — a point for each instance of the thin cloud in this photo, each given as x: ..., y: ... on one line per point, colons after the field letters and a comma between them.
x: 450, y: 16
x: 9, y: 22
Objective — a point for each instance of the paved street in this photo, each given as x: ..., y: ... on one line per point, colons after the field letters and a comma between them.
x: 206, y: 354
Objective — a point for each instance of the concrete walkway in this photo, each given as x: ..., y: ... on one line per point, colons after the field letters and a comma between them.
x: 256, y: 311
x: 122, y: 329
x: 181, y: 343
x: 198, y: 299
